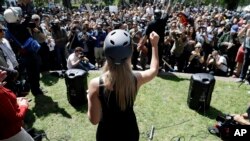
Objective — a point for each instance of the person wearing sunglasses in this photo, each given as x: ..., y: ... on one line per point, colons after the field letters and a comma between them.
x: 217, y: 64
x: 196, y: 60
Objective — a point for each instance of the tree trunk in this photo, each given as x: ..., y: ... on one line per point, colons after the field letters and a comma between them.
x: 232, y: 4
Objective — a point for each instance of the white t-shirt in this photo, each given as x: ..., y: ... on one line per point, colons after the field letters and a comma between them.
x: 223, y: 62
x: 72, y: 58
x: 150, y: 11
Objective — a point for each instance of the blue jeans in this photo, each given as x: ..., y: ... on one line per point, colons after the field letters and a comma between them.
x: 86, y: 66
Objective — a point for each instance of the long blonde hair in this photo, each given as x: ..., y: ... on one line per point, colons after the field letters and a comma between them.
x: 121, y: 79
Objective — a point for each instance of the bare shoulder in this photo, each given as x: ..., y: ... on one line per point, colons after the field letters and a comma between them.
x: 93, y: 85
x: 94, y: 81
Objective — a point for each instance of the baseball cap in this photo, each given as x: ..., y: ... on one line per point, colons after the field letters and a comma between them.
x: 234, y: 28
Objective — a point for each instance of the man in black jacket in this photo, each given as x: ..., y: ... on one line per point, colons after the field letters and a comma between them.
x: 158, y: 25
x: 30, y: 60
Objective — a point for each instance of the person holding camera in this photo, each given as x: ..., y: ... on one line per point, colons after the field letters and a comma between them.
x: 29, y: 58
x: 73, y: 36
x: 217, y: 64
x: 59, y: 34
x: 177, y: 50
x: 111, y: 96
x: 12, y: 111
x: 78, y: 60
x: 196, y: 60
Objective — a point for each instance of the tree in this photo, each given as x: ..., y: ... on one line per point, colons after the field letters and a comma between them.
x: 67, y: 3
x: 39, y: 2
x: 231, y: 4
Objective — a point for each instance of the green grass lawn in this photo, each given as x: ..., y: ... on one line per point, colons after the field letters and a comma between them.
x: 161, y: 103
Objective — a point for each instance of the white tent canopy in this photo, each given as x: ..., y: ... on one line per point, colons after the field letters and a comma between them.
x: 247, y: 8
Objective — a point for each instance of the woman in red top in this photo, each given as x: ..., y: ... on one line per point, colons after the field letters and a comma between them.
x: 12, y: 112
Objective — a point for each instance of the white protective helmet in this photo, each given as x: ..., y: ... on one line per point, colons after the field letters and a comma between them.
x: 12, y: 14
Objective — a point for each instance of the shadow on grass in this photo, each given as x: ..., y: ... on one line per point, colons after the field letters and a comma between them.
x: 171, y: 77
x: 44, y: 105
x: 37, y: 135
x: 49, y: 80
x: 81, y: 108
x: 211, y: 113
x: 29, y: 119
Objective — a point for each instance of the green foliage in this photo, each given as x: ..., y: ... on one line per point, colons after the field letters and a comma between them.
x: 161, y: 102
x: 87, y: 1
x: 2, y: 1
x: 57, y: 1
x: 39, y: 3
x: 117, y: 2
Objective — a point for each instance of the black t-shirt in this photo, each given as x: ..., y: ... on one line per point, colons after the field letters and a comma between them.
x: 158, y: 26
x: 23, y: 33
x: 115, y: 125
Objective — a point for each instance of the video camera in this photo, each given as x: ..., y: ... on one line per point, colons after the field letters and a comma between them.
x: 81, y: 55
x: 223, y: 128
x: 176, y: 33
x: 11, y: 74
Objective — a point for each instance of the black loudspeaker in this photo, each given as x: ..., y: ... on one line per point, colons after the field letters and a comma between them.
x: 200, y: 91
x: 76, y: 83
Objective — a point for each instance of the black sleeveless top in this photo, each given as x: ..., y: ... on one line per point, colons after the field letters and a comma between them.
x: 115, y: 125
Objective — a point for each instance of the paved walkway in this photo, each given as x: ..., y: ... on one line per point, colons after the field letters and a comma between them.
x: 188, y: 75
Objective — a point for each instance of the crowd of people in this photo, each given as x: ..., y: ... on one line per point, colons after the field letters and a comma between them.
x: 151, y: 37
x: 192, y: 39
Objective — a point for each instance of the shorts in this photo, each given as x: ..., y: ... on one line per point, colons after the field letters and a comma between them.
x: 240, y: 55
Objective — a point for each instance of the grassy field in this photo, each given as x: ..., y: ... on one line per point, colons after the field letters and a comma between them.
x: 162, y: 103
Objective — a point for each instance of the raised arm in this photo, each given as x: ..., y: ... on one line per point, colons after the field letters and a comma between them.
x: 147, y: 75
x: 243, y: 30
